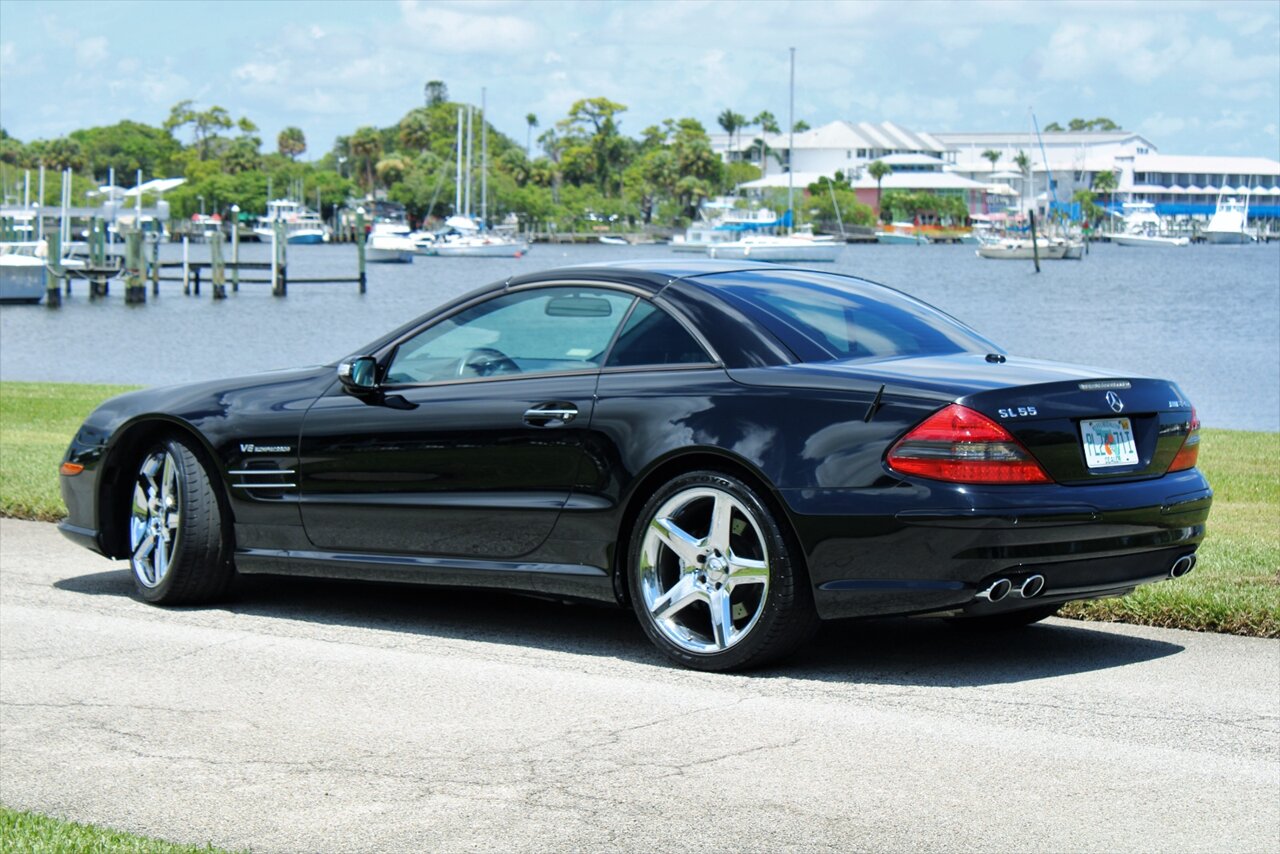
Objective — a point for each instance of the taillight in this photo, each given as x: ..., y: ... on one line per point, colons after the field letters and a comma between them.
x: 960, y: 445
x: 1190, y: 449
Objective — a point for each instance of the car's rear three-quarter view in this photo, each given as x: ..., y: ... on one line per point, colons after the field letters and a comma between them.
x: 735, y: 451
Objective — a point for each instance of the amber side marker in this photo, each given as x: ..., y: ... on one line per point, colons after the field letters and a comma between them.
x: 70, y: 469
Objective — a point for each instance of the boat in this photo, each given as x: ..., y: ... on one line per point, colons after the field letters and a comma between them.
x: 612, y: 240
x: 22, y: 277
x: 389, y: 243
x: 1143, y: 227
x: 727, y: 227
x: 901, y: 233
x: 1017, y: 249
x: 481, y: 245
x: 778, y: 247
x: 1228, y: 223
x: 301, y: 224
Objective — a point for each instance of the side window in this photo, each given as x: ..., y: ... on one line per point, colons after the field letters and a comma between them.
x: 527, y: 332
x: 653, y: 337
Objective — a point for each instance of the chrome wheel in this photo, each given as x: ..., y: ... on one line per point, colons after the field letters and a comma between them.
x: 704, y: 570
x: 154, y: 519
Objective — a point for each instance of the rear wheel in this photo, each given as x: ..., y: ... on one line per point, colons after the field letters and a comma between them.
x: 177, y: 550
x: 1006, y: 622
x: 713, y: 580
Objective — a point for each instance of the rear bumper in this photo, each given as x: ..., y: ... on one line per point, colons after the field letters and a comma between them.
x: 922, y: 547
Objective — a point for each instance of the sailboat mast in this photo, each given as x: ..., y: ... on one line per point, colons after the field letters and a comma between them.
x: 791, y: 144
x: 484, y: 165
x: 457, y: 165
x: 470, y: 113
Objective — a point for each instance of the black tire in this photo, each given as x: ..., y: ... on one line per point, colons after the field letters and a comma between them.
x: 769, y: 619
x: 188, y: 561
x: 1005, y: 622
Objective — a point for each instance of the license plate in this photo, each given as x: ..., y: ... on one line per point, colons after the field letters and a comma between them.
x: 1108, y: 442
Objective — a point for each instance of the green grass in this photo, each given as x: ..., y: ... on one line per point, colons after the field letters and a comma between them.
x: 37, y: 834
x: 37, y: 421
x: 1235, y: 588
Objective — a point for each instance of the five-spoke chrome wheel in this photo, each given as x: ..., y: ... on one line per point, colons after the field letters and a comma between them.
x: 704, y: 569
x: 155, y: 517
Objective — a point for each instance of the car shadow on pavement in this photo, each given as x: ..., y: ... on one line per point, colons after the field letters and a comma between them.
x: 884, y: 651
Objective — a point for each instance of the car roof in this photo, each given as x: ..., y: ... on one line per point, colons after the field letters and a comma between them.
x: 651, y: 274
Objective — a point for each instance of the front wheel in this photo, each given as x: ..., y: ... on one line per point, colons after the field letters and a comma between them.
x: 713, y: 579
x: 177, y: 549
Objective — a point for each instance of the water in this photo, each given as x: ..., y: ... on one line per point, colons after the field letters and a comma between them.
x: 1207, y: 317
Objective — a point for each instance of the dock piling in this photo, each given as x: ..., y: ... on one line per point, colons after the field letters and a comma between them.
x: 217, y: 272
x: 53, y: 264
x: 135, y: 292
x: 155, y: 267
x: 186, y: 265
x: 1035, y: 247
x: 279, y: 260
x: 360, y: 239
x: 235, y: 248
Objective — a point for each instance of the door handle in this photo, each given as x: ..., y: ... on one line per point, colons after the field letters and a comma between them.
x: 547, y: 413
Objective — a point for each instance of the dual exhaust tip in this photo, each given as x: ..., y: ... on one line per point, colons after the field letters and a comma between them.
x: 1031, y: 587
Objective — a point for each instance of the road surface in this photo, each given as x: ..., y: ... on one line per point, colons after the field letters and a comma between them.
x: 328, y: 716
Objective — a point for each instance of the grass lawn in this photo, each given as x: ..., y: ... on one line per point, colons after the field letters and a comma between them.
x: 38, y: 834
x: 1234, y: 588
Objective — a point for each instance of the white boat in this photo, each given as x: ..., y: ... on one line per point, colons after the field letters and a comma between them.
x: 778, y: 247
x: 389, y: 243
x: 22, y: 277
x: 482, y: 245
x: 727, y: 227
x: 1017, y: 249
x: 612, y: 240
x: 301, y: 224
x: 1143, y: 227
x: 1228, y: 222
x: 901, y: 233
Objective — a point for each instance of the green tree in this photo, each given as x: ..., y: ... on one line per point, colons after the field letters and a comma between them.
x: 366, y: 145
x: 205, y: 124
x: 436, y: 93
x: 992, y: 155
x: 127, y: 147
x: 878, y: 169
x: 732, y: 123
x: 766, y: 121
x: 64, y: 153
x: 801, y: 126
x: 596, y: 117
x: 1023, y: 162
x: 1106, y: 183
x: 531, y: 122
x: 414, y: 131
x: 291, y: 142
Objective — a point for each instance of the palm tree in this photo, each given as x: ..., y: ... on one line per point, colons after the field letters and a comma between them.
x: 1023, y: 162
x: 992, y: 155
x: 1106, y: 182
x: 291, y: 142
x: 366, y: 144
x: 531, y: 122
x: 731, y: 122
x: 768, y: 124
x: 878, y: 169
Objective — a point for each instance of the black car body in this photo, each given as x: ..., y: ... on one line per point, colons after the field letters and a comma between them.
x: 531, y: 473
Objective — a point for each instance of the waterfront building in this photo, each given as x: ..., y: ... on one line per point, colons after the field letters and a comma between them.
x: 1061, y: 163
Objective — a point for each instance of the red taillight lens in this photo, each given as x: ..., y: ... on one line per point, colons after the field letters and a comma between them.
x: 70, y: 469
x: 960, y: 445
x: 1190, y: 449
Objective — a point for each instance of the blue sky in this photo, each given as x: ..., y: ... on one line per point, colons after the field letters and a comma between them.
x: 1195, y: 77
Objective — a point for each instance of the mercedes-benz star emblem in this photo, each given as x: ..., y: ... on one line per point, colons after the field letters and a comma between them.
x: 1114, y: 401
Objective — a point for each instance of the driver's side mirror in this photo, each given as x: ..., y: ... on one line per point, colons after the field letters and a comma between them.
x: 359, y: 375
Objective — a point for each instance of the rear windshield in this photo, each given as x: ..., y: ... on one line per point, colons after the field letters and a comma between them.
x: 823, y: 317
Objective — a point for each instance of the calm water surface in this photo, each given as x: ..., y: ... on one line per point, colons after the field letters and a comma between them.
x: 1207, y: 317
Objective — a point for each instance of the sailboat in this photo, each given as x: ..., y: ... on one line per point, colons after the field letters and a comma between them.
x: 793, y: 246
x: 464, y: 237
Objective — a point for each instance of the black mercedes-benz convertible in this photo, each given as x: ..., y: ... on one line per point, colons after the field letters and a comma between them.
x: 733, y: 450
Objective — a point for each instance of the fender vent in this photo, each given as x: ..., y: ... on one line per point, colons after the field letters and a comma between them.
x: 262, y: 479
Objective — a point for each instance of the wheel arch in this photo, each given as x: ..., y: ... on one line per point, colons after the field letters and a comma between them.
x: 124, y: 453
x: 683, y: 462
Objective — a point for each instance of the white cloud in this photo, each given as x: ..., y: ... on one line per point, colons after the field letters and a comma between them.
x: 8, y: 56
x: 259, y: 73
x: 462, y: 31
x: 992, y: 96
x: 1158, y: 125
x: 91, y: 51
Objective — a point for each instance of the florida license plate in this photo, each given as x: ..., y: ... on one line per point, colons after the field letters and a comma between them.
x: 1108, y: 442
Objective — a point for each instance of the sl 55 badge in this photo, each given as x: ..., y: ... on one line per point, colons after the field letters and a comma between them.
x: 1017, y: 412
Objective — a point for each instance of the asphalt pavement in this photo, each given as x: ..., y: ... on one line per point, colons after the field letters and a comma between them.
x: 327, y: 716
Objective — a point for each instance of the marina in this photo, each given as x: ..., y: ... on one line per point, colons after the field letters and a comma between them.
x: 1200, y: 314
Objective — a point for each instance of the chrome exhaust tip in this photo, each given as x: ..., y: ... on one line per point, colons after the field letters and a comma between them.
x: 998, y: 590
x: 1031, y: 587
x: 1182, y: 566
